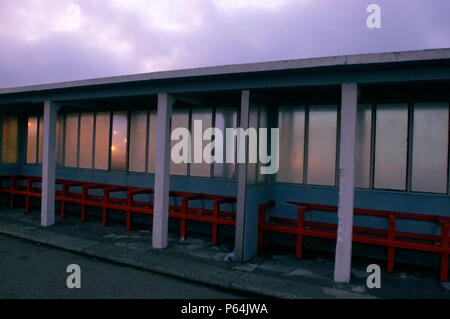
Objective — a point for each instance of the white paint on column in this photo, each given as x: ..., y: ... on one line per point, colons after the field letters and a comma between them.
x: 242, y: 183
x: 342, y: 266
x: 49, y: 164
x: 162, y: 174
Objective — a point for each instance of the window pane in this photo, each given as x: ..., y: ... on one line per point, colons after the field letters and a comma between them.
x: 138, y: 134
x: 70, y: 159
x: 252, y: 122
x: 205, y: 115
x: 291, y: 123
x: 119, y: 141
x: 363, y: 142
x: 322, y: 145
x: 41, y: 138
x: 152, y: 141
x: 9, y: 139
x: 391, y: 146
x: 59, y: 139
x: 86, y: 137
x: 102, y: 120
x: 32, y: 139
x: 180, y: 118
x: 225, y: 118
x: 430, y: 147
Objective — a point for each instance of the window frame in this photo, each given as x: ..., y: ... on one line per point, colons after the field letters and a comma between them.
x: 373, y: 107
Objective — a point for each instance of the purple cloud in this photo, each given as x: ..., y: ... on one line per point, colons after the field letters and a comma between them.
x: 54, y: 40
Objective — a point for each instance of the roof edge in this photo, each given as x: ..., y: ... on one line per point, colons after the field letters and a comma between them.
x: 355, y: 59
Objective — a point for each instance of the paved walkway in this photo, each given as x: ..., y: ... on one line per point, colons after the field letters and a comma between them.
x: 195, y: 259
x: 32, y: 270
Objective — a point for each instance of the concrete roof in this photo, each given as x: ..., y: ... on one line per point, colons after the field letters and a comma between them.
x: 357, y: 59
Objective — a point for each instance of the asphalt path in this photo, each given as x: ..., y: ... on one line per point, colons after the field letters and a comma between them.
x: 31, y: 270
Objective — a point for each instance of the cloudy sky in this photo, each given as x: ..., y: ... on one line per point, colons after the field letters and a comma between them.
x: 46, y: 41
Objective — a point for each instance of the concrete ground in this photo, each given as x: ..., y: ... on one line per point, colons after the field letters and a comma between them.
x: 32, y: 270
x: 195, y: 259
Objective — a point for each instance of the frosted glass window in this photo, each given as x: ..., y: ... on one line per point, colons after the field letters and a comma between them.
x: 291, y: 124
x: 71, y: 142
x: 59, y: 139
x: 205, y: 115
x: 225, y: 118
x: 32, y: 131
x: 430, y: 147
x: 252, y: 122
x: 119, y: 141
x: 86, y: 139
x: 363, y: 145
x: 152, y: 141
x: 102, y: 124
x: 391, y: 146
x: 322, y: 145
x: 41, y: 138
x: 180, y: 118
x: 138, y: 135
x: 9, y: 139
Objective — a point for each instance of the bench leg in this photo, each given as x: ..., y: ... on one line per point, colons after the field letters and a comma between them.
x: 182, y: 229
x: 391, y: 257
x: 27, y: 197
x: 63, y: 203
x: 83, y: 205
x: 444, y: 267
x: 27, y: 204
x: 214, y: 234
x: 300, y: 223
x: 260, y: 240
x: 11, y: 192
x: 105, y: 217
x: 129, y: 204
x: 299, y: 248
x: 445, y: 230
x: 11, y: 200
x: 63, y: 209
x: 391, y: 238
x: 129, y: 220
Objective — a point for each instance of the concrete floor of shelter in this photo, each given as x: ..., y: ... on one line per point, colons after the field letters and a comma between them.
x: 316, y: 268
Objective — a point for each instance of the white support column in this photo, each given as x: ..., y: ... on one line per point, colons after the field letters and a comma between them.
x: 49, y: 164
x: 343, y: 259
x: 242, y: 183
x: 162, y: 175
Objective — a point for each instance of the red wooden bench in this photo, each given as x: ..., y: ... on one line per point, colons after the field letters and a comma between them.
x: 28, y: 190
x: 146, y: 207
x: 85, y: 198
x: 214, y: 216
x: 15, y: 188
x: 134, y: 206
x: 390, y: 237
